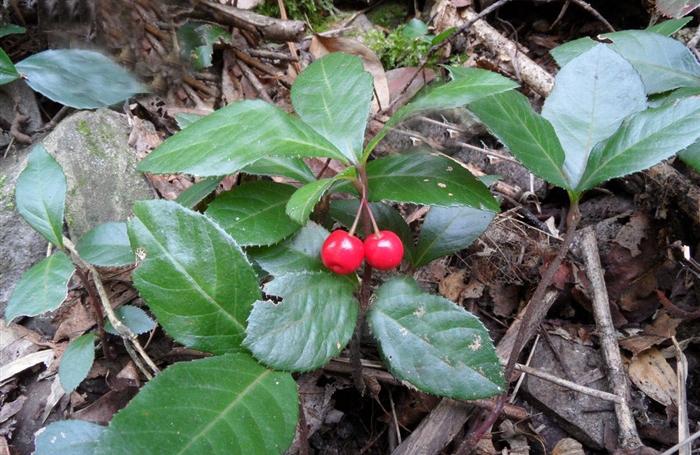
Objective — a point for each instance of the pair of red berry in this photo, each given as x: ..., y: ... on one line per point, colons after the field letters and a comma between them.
x: 343, y: 253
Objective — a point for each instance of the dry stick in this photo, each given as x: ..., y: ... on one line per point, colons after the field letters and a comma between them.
x: 125, y: 332
x: 688, y: 441
x: 682, y: 400
x: 628, y: 437
x: 594, y: 12
x: 568, y: 384
x: 99, y: 315
x: 253, y: 79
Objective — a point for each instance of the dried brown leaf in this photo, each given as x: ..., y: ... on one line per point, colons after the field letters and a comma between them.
x: 654, y: 376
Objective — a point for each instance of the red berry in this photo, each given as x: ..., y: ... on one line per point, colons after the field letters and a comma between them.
x: 342, y: 253
x: 383, y: 250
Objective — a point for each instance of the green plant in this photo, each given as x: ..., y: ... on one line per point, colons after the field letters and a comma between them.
x: 195, y: 271
x: 315, y: 12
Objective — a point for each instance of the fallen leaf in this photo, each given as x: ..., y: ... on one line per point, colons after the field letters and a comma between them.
x: 452, y: 286
x: 11, y: 408
x: 568, y: 446
x: 23, y: 363
x: 74, y: 322
x: 102, y: 410
x: 633, y: 232
x: 322, y: 45
x: 399, y: 77
x: 652, y: 374
x: 54, y: 397
x: 505, y: 299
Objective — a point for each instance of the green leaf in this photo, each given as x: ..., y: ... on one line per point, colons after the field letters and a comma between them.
x: 691, y: 156
x: 11, y: 29
x: 591, y: 97
x: 225, y: 404
x: 76, y: 361
x: 644, y: 140
x: 676, y: 8
x: 663, y: 63
x: 528, y: 136
x: 234, y: 137
x: 253, y: 213
x: 133, y: 317
x: 79, y: 78
x: 194, y: 277
x: 303, y: 201
x: 426, y: 178
x: 387, y: 217
x: 198, y: 192
x: 415, y: 28
x: 447, y: 230
x: 40, y: 195
x: 313, y: 323
x: 8, y: 72
x: 468, y: 85
x: 301, y: 253
x: 566, y: 52
x: 671, y: 97
x: 196, y: 40
x: 185, y: 119
x: 106, y: 245
x: 333, y: 96
x: 68, y: 437
x: 42, y: 288
x: 435, y: 345
x: 669, y: 27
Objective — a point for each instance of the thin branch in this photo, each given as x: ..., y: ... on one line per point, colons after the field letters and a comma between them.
x: 595, y: 13
x: 689, y: 440
x: 568, y: 384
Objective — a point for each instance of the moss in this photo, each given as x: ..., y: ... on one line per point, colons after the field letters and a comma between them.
x: 319, y: 14
x: 395, y: 50
x: 389, y: 15
x: 6, y: 197
x: 93, y: 147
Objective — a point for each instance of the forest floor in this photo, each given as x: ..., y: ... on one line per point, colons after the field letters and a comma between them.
x: 647, y: 227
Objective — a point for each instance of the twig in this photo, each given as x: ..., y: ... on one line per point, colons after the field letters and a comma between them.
x: 272, y: 55
x: 290, y: 44
x: 627, y: 431
x: 99, y: 315
x: 125, y: 332
x: 689, y: 440
x: 253, y: 79
x: 682, y: 399
x: 595, y: 13
x: 560, y: 16
x: 568, y: 384
x: 674, y: 310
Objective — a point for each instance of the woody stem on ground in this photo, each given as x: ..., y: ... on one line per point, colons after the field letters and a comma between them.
x: 535, y: 312
x: 99, y: 315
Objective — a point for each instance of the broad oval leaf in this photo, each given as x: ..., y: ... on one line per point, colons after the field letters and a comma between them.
x: 76, y: 361
x: 468, y: 85
x: 253, y: 213
x: 591, y: 97
x: 195, y: 194
x: 300, y: 253
x: 68, y: 437
x: 133, y: 317
x: 40, y: 195
x: 447, y: 230
x: 106, y: 245
x: 313, y: 323
x: 8, y: 71
x: 387, y: 217
x: 234, y: 137
x: 528, y: 136
x: 227, y: 404
x: 691, y: 156
x: 333, y: 95
x: 42, y: 288
x: 426, y: 178
x: 79, y: 78
x: 435, y: 345
x: 304, y: 199
x: 195, y: 278
x: 643, y: 141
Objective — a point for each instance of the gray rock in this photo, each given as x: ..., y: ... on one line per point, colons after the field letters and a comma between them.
x: 20, y: 245
x: 100, y: 167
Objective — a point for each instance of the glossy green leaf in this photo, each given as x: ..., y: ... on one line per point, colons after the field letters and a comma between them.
x: 643, y: 141
x: 435, y: 345
x: 195, y: 278
x: 426, y: 178
x: 40, y: 195
x: 294, y: 168
x: 591, y: 97
x: 568, y: 51
x: 133, y: 317
x: 676, y: 8
x: 253, y: 213
x: 468, y: 85
x: 106, y: 245
x: 68, y: 437
x: 11, y: 29
x: 304, y: 199
x: 313, y: 322
x: 387, y: 217
x: 8, y: 72
x: 197, y: 39
x: 234, y: 137
x: 415, y: 28
x: 669, y: 27
x: 198, y: 192
x: 76, y: 361
x: 300, y: 253
x: 333, y: 96
x: 528, y: 136
x: 227, y: 404
x: 671, y: 97
x: 447, y: 230
x: 42, y: 288
x: 79, y: 78
x: 691, y: 156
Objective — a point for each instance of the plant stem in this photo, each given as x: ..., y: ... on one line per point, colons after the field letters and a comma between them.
x: 99, y: 315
